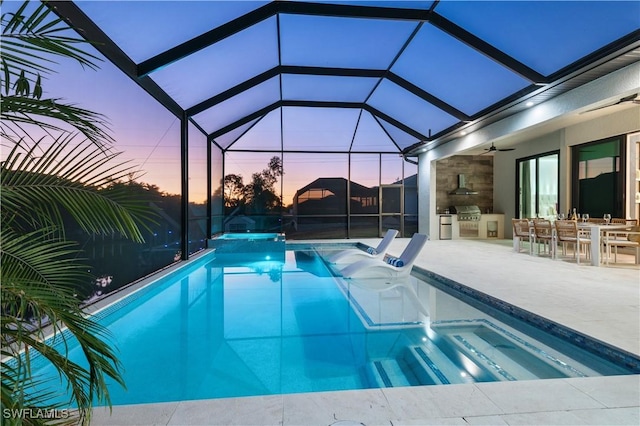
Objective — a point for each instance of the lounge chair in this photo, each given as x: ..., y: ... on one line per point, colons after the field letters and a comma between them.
x: 351, y: 255
x: 388, y: 266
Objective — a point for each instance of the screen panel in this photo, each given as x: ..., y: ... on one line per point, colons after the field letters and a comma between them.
x: 197, y: 159
x: 239, y: 106
x: 399, y: 136
x: 371, y: 137
x: 158, y: 26
x: 224, y: 141
x: 410, y: 109
x: 327, y: 88
x: 545, y: 35
x: 318, y: 129
x: 454, y: 72
x: 264, y: 135
x: 322, y: 171
x: 342, y: 42
x: 221, y: 66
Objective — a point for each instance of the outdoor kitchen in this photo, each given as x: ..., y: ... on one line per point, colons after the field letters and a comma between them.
x: 464, y: 198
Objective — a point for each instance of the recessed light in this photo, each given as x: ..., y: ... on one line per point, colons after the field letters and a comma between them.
x: 463, y: 133
x: 529, y: 104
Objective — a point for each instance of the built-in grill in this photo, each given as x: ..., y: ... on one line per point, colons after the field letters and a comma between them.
x: 468, y: 220
x: 467, y: 213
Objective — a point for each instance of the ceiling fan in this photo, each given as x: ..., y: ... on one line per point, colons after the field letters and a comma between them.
x: 627, y: 99
x: 493, y: 148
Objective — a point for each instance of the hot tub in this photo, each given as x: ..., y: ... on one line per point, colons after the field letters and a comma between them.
x: 248, y: 245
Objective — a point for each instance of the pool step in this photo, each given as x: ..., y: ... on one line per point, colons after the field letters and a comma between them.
x: 506, y: 359
x: 388, y: 373
x: 414, y: 365
x: 424, y: 366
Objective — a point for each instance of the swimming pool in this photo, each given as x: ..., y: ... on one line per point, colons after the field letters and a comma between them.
x: 218, y: 329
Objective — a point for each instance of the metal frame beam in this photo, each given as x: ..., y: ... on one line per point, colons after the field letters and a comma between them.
x: 207, y: 39
x: 487, y: 49
x: 300, y: 70
x: 278, y: 70
x: 317, y: 104
x: 251, y: 18
x: 76, y: 18
x: 184, y: 186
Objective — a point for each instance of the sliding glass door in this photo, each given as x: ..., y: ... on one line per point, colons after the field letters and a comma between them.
x: 537, y: 178
x: 597, y: 183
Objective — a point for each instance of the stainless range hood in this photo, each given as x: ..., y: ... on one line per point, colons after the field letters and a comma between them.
x: 462, y: 189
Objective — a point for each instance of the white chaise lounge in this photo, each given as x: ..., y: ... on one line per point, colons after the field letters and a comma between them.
x: 351, y: 255
x: 388, y: 266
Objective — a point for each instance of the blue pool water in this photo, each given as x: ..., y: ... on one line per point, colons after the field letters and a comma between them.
x: 219, y: 329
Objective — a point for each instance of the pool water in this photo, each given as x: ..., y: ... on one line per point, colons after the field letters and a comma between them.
x: 272, y: 327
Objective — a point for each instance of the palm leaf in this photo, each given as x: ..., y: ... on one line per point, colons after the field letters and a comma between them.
x: 31, y: 39
x: 38, y: 276
x: 41, y: 183
x: 26, y: 110
x: 76, y: 179
x: 38, y: 393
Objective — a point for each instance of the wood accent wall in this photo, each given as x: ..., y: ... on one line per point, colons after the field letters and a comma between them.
x: 478, y: 172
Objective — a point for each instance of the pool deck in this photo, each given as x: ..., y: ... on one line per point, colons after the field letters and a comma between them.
x: 603, y: 302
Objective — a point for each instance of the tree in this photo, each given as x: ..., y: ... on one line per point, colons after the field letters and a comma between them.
x: 234, y: 191
x: 260, y: 194
x: 59, y: 164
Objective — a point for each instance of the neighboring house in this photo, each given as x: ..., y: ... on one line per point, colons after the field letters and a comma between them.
x: 327, y: 196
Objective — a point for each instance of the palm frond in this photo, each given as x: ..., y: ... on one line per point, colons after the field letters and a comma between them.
x: 31, y: 39
x: 31, y: 111
x: 41, y: 185
x: 20, y: 390
x: 71, y: 178
x: 38, y: 276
